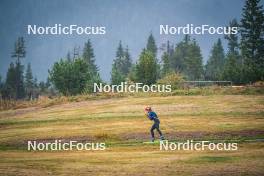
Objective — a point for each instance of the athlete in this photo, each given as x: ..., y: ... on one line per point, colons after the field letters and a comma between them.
x: 153, y: 117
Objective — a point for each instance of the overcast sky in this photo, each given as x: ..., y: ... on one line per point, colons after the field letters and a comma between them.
x: 126, y: 20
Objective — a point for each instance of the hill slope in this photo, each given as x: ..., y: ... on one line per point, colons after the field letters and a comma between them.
x: 120, y: 122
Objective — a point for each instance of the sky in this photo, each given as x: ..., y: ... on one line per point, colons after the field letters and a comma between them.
x: 125, y: 20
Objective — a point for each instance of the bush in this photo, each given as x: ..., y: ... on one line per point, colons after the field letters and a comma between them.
x: 70, y: 77
x: 174, y: 79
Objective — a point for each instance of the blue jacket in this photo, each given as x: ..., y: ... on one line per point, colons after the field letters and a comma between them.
x: 152, y: 115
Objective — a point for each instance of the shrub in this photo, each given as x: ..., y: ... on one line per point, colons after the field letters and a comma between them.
x: 174, y: 79
x: 70, y: 77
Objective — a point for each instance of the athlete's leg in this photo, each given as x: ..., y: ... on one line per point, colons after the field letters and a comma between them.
x: 158, y: 129
x: 152, y: 132
x: 160, y: 133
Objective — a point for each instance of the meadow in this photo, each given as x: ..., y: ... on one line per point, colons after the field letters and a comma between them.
x: 121, y: 124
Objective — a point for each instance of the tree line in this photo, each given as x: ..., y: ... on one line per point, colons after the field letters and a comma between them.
x: 243, y: 63
x: 18, y: 85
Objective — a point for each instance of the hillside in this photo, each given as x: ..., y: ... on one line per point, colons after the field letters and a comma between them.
x: 121, y: 124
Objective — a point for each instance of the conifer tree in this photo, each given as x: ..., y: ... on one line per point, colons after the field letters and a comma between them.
x: 146, y: 68
x: 233, y: 64
x: 215, y: 64
x: 116, y: 76
x: 29, y: 82
x: 70, y: 78
x: 19, y: 79
x: 166, y: 68
x: 180, y: 54
x: 9, y: 88
x: 121, y: 65
x: 252, y: 40
x: 19, y: 52
x: 187, y: 59
x: 151, y: 45
x: 89, y: 57
x: 178, y: 57
x: 193, y: 62
x: 127, y: 61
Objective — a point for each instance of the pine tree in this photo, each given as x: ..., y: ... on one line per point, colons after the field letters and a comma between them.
x: 20, y: 88
x: 36, y: 90
x: 29, y: 82
x: 180, y: 54
x: 132, y: 73
x: 233, y: 64
x: 127, y: 61
x: 166, y: 68
x: 146, y: 68
x: 193, y: 62
x: 232, y: 69
x: 187, y: 59
x: 167, y: 60
x: 88, y: 56
x: 178, y: 57
x: 9, y: 89
x: 120, y: 51
x: 252, y: 40
x: 121, y: 66
x: 215, y: 64
x: 116, y: 76
x: 170, y: 51
x: 232, y: 39
x: 151, y: 45
x: 19, y: 52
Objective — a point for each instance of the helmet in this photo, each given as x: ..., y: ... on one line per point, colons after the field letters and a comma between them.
x: 148, y: 108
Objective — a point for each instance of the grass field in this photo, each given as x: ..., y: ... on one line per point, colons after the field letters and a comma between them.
x: 120, y: 122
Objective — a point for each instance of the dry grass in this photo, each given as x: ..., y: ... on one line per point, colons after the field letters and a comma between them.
x: 139, y: 160
x: 122, y: 120
x: 43, y: 101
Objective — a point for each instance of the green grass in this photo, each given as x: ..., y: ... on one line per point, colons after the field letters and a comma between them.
x: 211, y: 159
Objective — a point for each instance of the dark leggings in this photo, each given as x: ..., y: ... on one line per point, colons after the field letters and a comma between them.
x: 155, y: 126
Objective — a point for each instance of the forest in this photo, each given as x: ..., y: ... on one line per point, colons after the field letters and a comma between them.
x: 242, y: 63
